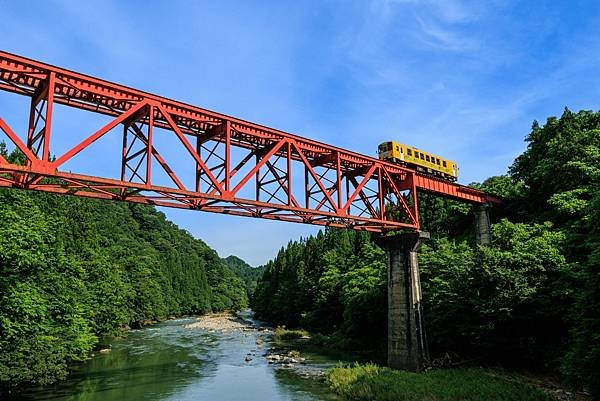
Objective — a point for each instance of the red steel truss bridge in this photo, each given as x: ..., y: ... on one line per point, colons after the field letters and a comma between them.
x: 232, y: 166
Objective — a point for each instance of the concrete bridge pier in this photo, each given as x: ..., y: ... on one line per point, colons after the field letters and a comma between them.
x: 483, y: 228
x: 407, y: 343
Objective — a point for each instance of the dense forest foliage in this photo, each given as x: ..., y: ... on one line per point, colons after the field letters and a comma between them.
x: 243, y: 270
x: 74, y: 269
x: 530, y: 299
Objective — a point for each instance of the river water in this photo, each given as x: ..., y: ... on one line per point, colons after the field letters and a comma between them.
x: 171, y: 362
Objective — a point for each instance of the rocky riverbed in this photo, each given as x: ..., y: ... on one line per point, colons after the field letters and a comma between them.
x: 279, y: 358
x: 220, y: 322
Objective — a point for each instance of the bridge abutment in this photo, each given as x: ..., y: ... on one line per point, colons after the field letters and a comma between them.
x: 483, y: 228
x: 407, y: 343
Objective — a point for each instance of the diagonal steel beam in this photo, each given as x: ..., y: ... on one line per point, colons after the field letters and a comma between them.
x: 190, y: 149
x: 98, y: 134
x: 17, y: 141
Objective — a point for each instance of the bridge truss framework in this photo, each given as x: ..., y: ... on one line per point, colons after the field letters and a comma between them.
x: 239, y: 167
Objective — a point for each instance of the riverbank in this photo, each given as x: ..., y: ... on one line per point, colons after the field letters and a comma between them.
x: 371, y: 382
x: 368, y: 381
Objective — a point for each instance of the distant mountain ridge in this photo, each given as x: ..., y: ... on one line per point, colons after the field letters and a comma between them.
x: 243, y: 270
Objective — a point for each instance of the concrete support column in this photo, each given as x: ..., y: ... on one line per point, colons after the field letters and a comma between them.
x: 407, y: 343
x: 483, y: 228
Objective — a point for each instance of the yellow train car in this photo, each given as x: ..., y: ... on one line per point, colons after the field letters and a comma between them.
x: 424, y: 162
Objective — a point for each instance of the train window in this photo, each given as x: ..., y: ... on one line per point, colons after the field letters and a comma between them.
x: 397, y: 148
x: 401, y: 150
x: 422, y: 156
x: 427, y: 157
x: 409, y: 152
x: 444, y: 163
x: 438, y: 161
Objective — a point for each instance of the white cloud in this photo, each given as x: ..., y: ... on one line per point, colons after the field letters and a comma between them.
x: 437, y: 36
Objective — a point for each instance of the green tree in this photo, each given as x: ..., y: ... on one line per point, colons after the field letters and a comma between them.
x: 75, y: 269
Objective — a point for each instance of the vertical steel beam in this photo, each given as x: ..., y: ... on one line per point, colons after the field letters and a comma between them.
x: 348, y: 209
x: 49, y: 109
x: 306, y: 188
x: 289, y: 173
x: 338, y: 170
x: 198, y: 168
x: 149, y: 144
x: 257, y: 177
x: 415, y: 198
x: 381, y: 193
x: 40, y: 111
x: 227, y: 127
x: 125, y: 152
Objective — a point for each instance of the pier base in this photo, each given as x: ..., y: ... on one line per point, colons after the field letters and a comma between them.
x: 483, y: 228
x: 407, y: 343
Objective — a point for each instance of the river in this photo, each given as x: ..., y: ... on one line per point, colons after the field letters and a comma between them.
x: 169, y: 361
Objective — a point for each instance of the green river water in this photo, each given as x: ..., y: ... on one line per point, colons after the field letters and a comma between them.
x: 168, y: 361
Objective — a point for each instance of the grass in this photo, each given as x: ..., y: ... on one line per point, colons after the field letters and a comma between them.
x: 282, y: 333
x: 371, y: 382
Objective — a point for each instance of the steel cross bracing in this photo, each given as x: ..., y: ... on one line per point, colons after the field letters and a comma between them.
x: 275, y: 175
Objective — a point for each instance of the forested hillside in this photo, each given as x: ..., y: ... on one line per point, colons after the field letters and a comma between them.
x: 74, y: 269
x: 530, y: 299
x: 247, y: 273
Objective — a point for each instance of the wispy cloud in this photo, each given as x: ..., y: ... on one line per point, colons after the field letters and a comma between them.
x: 440, y: 37
x: 439, y: 23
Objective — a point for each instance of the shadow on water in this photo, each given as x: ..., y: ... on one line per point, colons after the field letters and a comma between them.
x: 171, y: 362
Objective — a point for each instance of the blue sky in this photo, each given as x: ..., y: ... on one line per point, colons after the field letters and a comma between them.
x: 464, y: 79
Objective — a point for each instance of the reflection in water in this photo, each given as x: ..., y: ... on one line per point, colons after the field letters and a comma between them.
x: 170, y: 362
